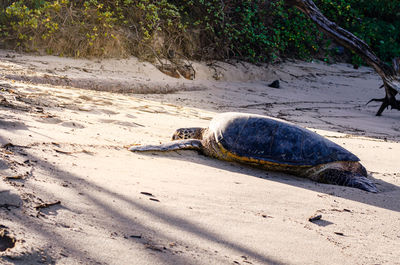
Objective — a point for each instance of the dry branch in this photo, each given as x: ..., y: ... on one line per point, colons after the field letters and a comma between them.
x: 389, y: 75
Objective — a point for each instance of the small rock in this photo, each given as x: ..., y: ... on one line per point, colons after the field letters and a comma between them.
x: 315, y: 218
x: 275, y: 84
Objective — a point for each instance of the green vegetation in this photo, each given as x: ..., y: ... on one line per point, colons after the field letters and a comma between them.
x: 252, y: 30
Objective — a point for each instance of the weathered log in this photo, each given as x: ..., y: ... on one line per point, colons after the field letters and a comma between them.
x: 389, y: 75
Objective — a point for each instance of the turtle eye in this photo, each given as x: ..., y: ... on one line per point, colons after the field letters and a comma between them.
x: 178, y: 135
x: 175, y: 136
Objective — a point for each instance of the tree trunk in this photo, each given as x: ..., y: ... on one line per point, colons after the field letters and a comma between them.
x: 389, y: 75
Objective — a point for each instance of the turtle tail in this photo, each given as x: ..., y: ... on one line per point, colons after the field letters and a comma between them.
x: 190, y: 144
x: 347, y: 178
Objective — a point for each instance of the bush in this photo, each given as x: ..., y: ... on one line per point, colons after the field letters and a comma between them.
x: 59, y: 27
x: 252, y: 30
x: 91, y: 28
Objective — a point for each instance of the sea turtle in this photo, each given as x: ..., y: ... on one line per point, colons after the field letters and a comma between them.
x: 273, y: 145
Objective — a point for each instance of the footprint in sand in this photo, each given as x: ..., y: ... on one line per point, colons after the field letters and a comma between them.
x: 150, y: 109
x: 122, y: 123
x: 71, y: 124
x: 50, y: 120
x: 107, y: 111
x: 131, y: 116
x: 84, y: 97
x: 101, y: 102
x: 9, y: 199
x: 12, y: 125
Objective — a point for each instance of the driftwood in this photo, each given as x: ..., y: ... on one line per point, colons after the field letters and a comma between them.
x: 390, y: 75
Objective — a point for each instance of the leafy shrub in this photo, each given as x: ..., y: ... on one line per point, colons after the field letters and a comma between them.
x: 91, y: 28
x: 61, y: 28
x: 253, y: 30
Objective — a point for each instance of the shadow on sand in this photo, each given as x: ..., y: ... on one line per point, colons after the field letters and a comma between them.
x: 122, y: 220
x: 375, y: 199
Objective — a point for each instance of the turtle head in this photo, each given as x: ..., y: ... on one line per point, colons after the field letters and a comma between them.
x: 188, y: 133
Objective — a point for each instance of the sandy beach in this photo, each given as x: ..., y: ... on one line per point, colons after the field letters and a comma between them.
x: 71, y: 192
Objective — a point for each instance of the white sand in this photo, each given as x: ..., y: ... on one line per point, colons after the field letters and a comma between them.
x: 69, y: 145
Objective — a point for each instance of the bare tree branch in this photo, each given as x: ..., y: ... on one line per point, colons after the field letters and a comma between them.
x: 390, y: 76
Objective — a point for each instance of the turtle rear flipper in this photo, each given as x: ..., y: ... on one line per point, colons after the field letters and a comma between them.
x: 346, y: 178
x: 190, y: 144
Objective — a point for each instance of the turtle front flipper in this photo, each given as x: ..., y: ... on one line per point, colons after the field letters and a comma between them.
x: 346, y: 178
x: 189, y: 144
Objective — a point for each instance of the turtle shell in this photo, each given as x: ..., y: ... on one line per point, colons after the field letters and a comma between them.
x: 266, y: 139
